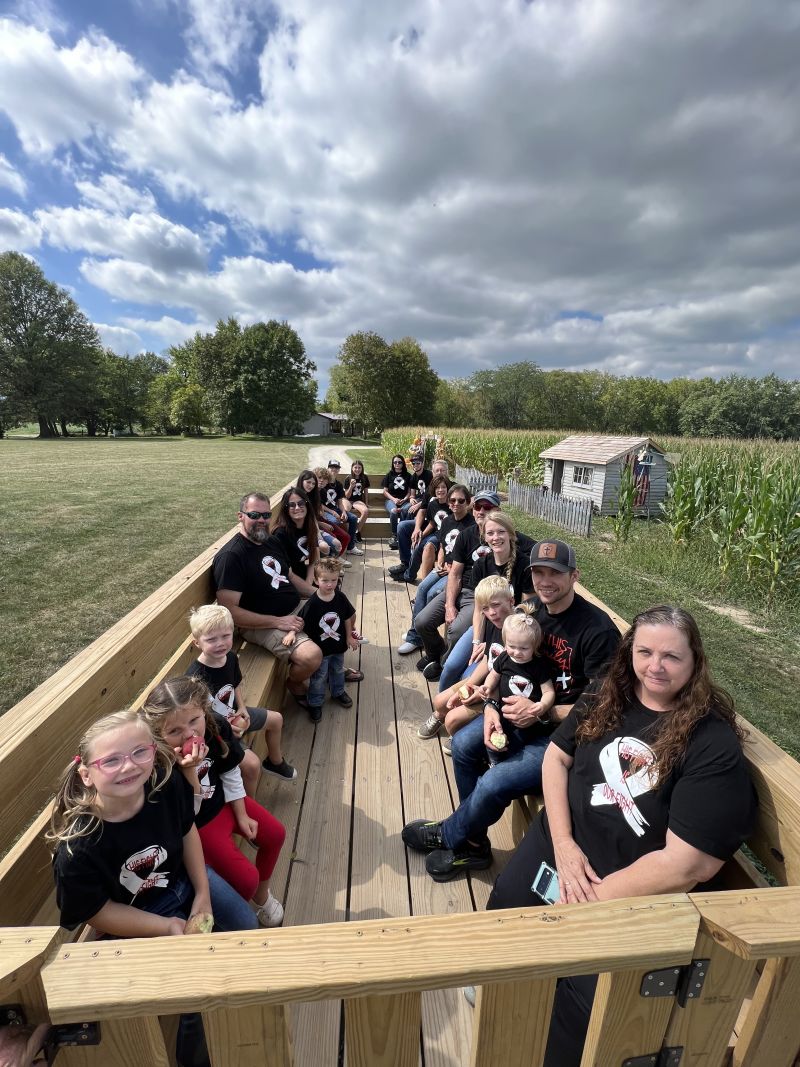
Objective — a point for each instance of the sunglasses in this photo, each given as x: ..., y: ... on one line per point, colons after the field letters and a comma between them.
x: 458, y: 500
x: 141, y: 756
x: 257, y: 515
x: 296, y: 505
x: 484, y: 505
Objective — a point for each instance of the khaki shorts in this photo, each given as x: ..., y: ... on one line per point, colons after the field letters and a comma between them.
x: 272, y: 641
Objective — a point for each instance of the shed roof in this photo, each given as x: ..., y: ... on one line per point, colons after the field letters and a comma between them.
x: 596, y: 448
x: 330, y: 415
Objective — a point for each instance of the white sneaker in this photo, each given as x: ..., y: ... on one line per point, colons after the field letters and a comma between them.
x: 430, y: 728
x: 354, y: 550
x: 271, y: 912
x: 407, y: 648
x: 345, y: 562
x: 447, y: 746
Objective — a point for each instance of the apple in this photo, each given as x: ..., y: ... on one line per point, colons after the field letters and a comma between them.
x: 498, y: 740
x: 189, y: 743
x: 466, y: 691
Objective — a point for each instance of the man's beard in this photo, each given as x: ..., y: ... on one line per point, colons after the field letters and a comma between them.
x: 258, y: 534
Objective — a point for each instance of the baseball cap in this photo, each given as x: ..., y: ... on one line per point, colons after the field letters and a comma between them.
x: 487, y: 494
x: 334, y: 463
x: 555, y: 554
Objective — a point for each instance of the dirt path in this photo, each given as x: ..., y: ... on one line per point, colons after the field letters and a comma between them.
x: 319, y: 455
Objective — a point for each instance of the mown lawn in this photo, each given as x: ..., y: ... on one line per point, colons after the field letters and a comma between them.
x: 89, y: 527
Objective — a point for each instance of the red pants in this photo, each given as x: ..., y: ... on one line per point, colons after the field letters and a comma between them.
x: 228, y: 861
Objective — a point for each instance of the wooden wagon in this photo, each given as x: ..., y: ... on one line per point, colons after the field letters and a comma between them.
x: 369, y: 965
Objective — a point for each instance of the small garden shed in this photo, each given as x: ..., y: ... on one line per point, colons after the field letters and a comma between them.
x: 589, y: 466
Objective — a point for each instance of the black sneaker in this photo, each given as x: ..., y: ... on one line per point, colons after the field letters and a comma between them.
x: 344, y: 699
x: 422, y: 662
x: 447, y: 863
x: 280, y: 770
x: 398, y: 568
x: 432, y: 671
x: 423, y: 835
x: 315, y: 712
x: 393, y: 545
x: 398, y: 576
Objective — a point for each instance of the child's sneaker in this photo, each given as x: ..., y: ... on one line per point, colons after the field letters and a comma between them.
x: 271, y: 912
x: 315, y: 712
x: 354, y: 550
x: 280, y: 770
x: 447, y: 746
x: 344, y: 699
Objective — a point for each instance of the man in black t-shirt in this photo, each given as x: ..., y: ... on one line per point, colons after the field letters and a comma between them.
x: 256, y: 584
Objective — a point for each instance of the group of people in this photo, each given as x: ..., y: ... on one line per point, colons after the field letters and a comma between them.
x: 637, y: 752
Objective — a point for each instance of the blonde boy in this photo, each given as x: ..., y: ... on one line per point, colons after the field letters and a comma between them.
x: 218, y: 666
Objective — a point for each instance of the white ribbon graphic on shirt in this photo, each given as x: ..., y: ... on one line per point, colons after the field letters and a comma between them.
x: 439, y: 518
x: 302, y: 544
x: 621, y: 786
x: 223, y: 701
x: 331, y: 495
x: 357, y: 489
x: 494, y: 651
x: 399, y: 482
x: 480, y: 552
x: 329, y: 624
x: 273, y: 570
x: 421, y: 487
x: 450, y: 540
x: 148, y: 861
x: 520, y: 686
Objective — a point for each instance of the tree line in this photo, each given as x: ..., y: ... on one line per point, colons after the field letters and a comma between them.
x: 380, y: 384
x: 257, y: 379
x: 55, y: 371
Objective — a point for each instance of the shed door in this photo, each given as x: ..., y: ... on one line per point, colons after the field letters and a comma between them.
x: 558, y: 473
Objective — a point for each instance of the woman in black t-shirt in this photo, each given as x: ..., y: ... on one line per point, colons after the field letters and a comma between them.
x: 646, y: 791
x: 355, y: 492
x: 295, y: 525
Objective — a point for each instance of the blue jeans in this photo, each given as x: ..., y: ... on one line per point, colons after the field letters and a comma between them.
x: 396, y: 516
x: 405, y: 529
x: 352, y: 526
x: 456, y: 665
x: 485, y: 794
x: 330, y: 672
x: 230, y: 911
x: 427, y: 589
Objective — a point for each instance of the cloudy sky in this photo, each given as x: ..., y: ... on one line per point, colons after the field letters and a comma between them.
x: 585, y: 183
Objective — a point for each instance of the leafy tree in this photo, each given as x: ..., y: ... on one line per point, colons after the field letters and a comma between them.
x: 386, y: 384
x: 49, y: 351
x: 508, y: 396
x: 158, y: 406
x: 189, y: 409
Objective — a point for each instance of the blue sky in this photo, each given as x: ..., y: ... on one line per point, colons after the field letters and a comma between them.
x: 584, y: 183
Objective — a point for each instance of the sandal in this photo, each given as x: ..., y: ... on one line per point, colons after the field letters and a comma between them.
x: 352, y: 675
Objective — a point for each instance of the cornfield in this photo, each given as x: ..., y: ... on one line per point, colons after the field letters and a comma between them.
x: 741, y: 497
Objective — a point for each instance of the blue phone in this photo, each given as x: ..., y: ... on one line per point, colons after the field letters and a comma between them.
x: 545, y: 884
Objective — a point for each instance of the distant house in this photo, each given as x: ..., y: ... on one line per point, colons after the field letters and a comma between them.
x: 588, y: 466
x: 323, y: 423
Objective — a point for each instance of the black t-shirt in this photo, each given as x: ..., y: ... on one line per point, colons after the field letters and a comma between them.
x: 435, y: 514
x: 469, y: 549
x: 325, y: 622
x: 525, y: 680
x: 397, y: 484
x: 296, y: 548
x: 129, y: 862
x: 493, y: 639
x: 451, y: 533
x: 420, y: 483
x: 332, y: 494
x: 259, y: 572
x: 360, y: 486
x: 212, y: 766
x: 221, y: 682
x: 579, y: 643
x: 521, y: 580
x: 619, y: 814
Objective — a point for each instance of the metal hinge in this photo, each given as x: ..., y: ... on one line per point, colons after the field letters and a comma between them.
x: 685, y: 983
x: 666, y: 1057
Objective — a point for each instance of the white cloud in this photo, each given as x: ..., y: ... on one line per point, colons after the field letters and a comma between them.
x: 119, y: 339
x: 221, y: 32
x: 18, y: 231
x: 10, y: 177
x: 113, y: 193
x: 169, y: 330
x: 54, y: 95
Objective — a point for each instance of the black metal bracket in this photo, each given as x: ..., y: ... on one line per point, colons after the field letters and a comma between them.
x: 685, y: 983
x: 665, y: 1057
x: 74, y: 1034
x: 12, y: 1015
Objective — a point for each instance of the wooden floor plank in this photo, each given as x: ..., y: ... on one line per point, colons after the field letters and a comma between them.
x: 318, y: 871
x: 446, y: 1016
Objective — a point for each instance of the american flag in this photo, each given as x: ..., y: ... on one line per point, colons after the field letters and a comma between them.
x: 641, y: 478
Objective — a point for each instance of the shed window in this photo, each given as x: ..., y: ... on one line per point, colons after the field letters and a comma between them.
x: 581, y: 475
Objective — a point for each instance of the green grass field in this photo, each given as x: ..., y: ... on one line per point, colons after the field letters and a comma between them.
x: 91, y: 526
